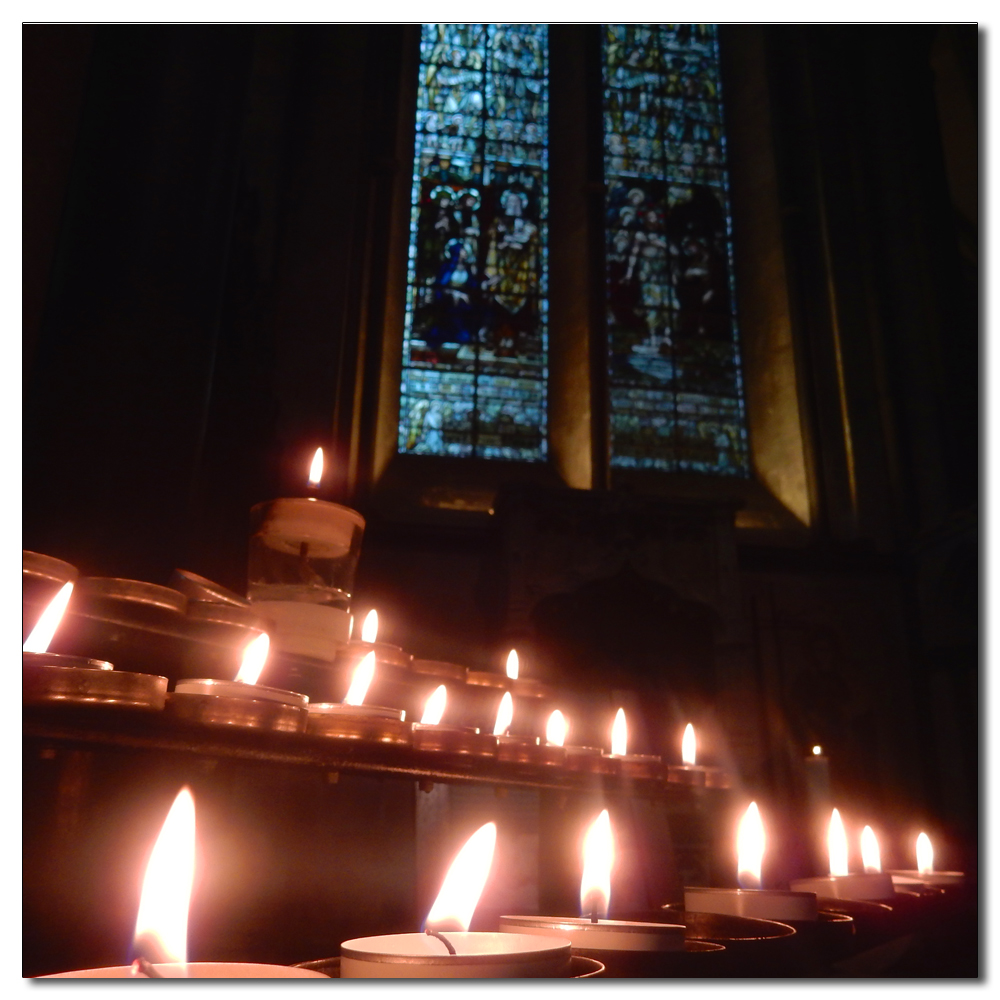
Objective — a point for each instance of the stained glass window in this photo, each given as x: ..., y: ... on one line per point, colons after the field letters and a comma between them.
x: 676, y: 391
x: 475, y: 335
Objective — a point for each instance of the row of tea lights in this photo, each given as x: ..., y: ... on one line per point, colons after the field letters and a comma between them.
x: 207, y: 699
x: 525, y: 946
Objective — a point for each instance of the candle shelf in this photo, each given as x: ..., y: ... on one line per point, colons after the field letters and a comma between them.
x: 86, y: 726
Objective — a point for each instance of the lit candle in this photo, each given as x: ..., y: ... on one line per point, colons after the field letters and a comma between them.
x: 54, y: 678
x: 750, y: 900
x: 688, y: 773
x: 353, y: 719
x: 556, y: 729
x: 303, y: 557
x: 448, y: 950
x: 577, y: 758
x: 316, y: 468
x: 631, y: 765
x: 593, y: 934
x: 385, y: 652
x: 241, y: 702
x: 429, y: 734
x: 840, y: 883
x: 161, y: 925
x: 511, y: 680
x: 924, y: 874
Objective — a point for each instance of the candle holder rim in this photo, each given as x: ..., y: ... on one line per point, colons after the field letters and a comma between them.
x: 578, y: 923
x: 339, y: 708
x: 195, y: 587
x: 796, y: 893
x: 132, y: 591
x: 239, y: 690
x: 44, y: 567
x: 65, y: 661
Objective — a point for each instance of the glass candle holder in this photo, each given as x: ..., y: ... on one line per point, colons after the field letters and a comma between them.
x: 303, y: 557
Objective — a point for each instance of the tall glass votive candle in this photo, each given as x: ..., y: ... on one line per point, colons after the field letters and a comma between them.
x: 303, y: 557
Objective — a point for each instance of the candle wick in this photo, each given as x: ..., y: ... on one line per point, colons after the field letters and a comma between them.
x: 141, y: 967
x: 593, y: 916
x: 442, y: 939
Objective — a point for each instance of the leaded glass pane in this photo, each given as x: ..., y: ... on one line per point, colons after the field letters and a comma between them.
x: 475, y: 337
x: 676, y: 390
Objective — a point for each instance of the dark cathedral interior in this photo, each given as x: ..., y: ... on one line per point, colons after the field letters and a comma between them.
x: 237, y: 249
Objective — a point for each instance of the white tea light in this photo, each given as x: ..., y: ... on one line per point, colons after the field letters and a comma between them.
x: 840, y: 883
x: 751, y: 900
x: 448, y: 950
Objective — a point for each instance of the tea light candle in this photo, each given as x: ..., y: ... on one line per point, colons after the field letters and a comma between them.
x: 54, y: 678
x: 353, y: 719
x: 241, y: 702
x: 633, y: 765
x: 429, y: 734
x: 751, y: 900
x: 385, y: 652
x: 162, y: 921
x: 595, y: 934
x: 688, y: 773
x: 448, y: 950
x: 303, y: 556
x: 924, y: 873
x: 871, y: 884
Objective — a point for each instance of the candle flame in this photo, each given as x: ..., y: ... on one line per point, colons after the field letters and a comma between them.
x: 619, y: 734
x: 316, y: 469
x: 513, y: 665
x: 750, y: 848
x: 598, y: 857
x: 161, y: 924
x: 556, y: 729
x: 45, y: 627
x: 870, y: 856
x: 369, y: 630
x: 362, y: 679
x: 505, y: 715
x: 837, y: 844
x: 463, y: 885
x: 925, y: 855
x: 254, y: 658
x: 434, y: 708
x: 817, y: 750
x: 688, y: 745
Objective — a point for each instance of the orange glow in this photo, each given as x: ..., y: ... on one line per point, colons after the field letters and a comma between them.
x: 870, y: 856
x: 45, y: 627
x: 817, y: 750
x: 836, y: 842
x: 619, y: 734
x: 688, y: 745
x: 316, y: 469
x: 925, y: 855
x: 556, y: 729
x: 161, y: 925
x: 505, y: 715
x: 369, y: 630
x: 434, y: 709
x: 513, y: 665
x: 750, y: 848
x: 463, y: 885
x: 598, y: 858
x: 254, y: 658
x: 361, y: 681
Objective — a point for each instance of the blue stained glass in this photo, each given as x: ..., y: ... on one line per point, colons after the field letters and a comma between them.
x: 475, y: 340
x: 676, y: 389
